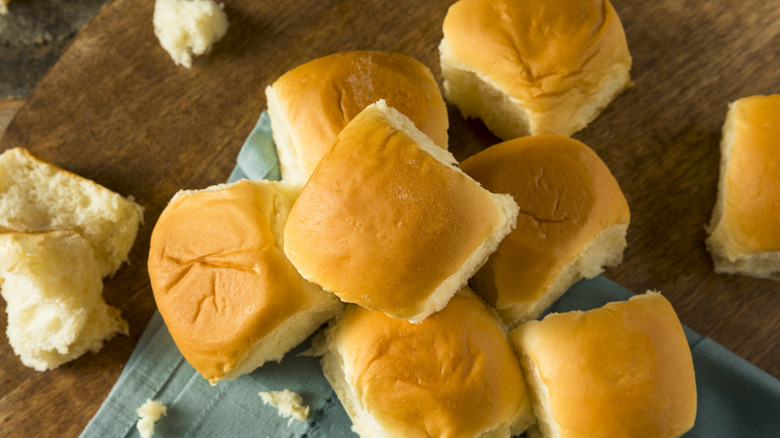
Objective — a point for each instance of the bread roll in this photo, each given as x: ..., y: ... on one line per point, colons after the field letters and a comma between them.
x: 529, y: 67
x: 36, y: 195
x: 229, y: 296
x: 572, y: 222
x: 52, y: 286
x: 310, y: 104
x: 744, y: 232
x: 453, y: 375
x: 387, y: 220
x: 623, y: 370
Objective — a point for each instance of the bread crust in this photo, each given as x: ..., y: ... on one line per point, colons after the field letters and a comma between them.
x: 36, y: 195
x: 530, y: 67
x: 388, y: 222
x: 572, y: 222
x: 310, y: 104
x: 222, y: 283
x: 744, y: 232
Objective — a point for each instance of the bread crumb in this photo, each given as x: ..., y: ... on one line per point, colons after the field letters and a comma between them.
x: 149, y: 413
x: 3, y: 7
x: 288, y: 403
x: 188, y: 27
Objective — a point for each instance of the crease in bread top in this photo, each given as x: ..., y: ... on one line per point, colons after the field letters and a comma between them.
x: 188, y: 28
x: 388, y: 222
x: 573, y: 220
x: 221, y: 280
x: 310, y: 104
x: 532, y: 48
x: 453, y: 375
x: 532, y: 67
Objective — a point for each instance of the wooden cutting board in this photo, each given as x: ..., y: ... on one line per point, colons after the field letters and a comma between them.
x: 117, y: 110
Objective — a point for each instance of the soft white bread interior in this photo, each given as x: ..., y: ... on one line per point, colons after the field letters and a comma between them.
x: 149, y: 413
x: 529, y: 67
x: 188, y: 28
x: 52, y: 286
x: 387, y: 220
x: 622, y: 370
x: 288, y: 404
x: 310, y: 104
x: 453, y: 375
x: 744, y: 236
x: 572, y: 222
x: 229, y: 296
x: 36, y: 195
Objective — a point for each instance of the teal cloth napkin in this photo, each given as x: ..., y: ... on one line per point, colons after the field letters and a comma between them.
x: 736, y: 399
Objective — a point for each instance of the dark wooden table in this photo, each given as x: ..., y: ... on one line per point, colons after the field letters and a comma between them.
x: 115, y: 109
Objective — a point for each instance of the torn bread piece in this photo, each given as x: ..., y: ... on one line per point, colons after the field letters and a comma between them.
x: 289, y: 404
x: 188, y: 28
x: 60, y: 235
x: 455, y: 374
x: 36, y: 195
x: 52, y: 286
x: 150, y: 412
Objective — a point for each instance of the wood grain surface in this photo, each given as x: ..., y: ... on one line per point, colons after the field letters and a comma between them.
x: 8, y: 108
x: 115, y: 109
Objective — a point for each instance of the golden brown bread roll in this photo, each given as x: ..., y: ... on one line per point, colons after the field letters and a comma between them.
x: 744, y: 233
x: 229, y: 296
x: 529, y: 67
x: 572, y: 222
x: 453, y: 375
x: 623, y: 370
x: 310, y: 104
x: 387, y: 221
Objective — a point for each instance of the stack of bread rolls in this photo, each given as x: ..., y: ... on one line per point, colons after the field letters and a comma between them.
x: 454, y: 374
x: 376, y: 228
